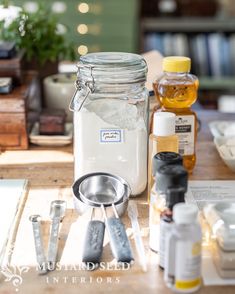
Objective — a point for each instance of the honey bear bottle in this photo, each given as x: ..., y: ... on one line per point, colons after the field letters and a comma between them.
x: 176, y: 90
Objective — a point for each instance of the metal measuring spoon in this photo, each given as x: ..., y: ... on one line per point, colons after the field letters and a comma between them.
x: 57, y: 212
x: 119, y: 241
x: 93, y: 245
x: 41, y: 259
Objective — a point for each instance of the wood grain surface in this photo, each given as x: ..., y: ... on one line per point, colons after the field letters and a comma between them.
x: 10, y: 213
x: 50, y: 175
x: 14, y: 113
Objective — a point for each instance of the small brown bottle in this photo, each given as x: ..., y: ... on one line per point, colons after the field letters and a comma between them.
x: 167, y: 176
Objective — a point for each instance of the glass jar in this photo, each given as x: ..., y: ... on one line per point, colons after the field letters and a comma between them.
x: 111, y: 117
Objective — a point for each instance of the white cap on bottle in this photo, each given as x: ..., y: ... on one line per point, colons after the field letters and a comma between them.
x: 185, y: 213
x: 164, y: 124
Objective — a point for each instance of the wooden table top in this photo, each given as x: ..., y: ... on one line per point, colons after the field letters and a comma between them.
x: 50, y: 175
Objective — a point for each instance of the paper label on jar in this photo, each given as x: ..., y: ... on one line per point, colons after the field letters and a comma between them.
x: 185, y: 129
x: 111, y: 136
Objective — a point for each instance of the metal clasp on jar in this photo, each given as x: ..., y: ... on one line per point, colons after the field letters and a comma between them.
x: 76, y: 103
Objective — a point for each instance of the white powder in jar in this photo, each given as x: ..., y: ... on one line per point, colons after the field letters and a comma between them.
x: 111, y: 136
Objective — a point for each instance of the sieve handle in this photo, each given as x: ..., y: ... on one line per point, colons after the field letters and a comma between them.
x: 93, y: 245
x: 119, y: 242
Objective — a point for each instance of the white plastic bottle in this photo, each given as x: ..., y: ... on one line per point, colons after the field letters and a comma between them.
x: 183, y: 250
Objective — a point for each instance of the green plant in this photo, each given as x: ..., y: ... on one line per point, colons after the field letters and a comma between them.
x: 38, y: 34
x: 5, y: 3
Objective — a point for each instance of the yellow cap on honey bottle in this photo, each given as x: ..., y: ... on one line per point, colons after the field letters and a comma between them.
x: 176, y: 64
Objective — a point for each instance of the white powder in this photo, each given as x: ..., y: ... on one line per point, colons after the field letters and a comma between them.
x: 111, y: 136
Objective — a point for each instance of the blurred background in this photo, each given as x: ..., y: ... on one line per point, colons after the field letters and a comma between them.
x: 202, y: 30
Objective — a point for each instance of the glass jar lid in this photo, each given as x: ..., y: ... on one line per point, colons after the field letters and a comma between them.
x: 112, y: 67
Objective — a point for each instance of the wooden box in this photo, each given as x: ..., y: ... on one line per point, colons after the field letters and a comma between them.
x: 16, y: 111
x: 13, y: 68
x: 52, y: 122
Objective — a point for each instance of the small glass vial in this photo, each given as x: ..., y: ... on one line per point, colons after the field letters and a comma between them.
x: 183, y: 250
x: 176, y: 91
x: 166, y: 176
x: 162, y: 139
x: 173, y: 196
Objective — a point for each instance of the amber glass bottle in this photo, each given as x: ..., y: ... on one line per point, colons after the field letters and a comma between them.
x: 162, y: 139
x: 176, y: 91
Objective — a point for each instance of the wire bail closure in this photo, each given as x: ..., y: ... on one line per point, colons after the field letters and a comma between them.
x: 76, y: 104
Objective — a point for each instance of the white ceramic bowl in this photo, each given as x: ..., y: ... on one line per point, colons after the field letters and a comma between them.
x: 228, y: 160
x: 222, y: 128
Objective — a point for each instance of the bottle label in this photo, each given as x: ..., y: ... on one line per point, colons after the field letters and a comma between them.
x: 156, y: 206
x: 111, y: 136
x: 165, y: 229
x: 185, y: 129
x: 188, y: 265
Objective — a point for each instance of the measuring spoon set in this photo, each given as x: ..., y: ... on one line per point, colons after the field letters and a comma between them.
x: 96, y: 191
x: 57, y: 213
